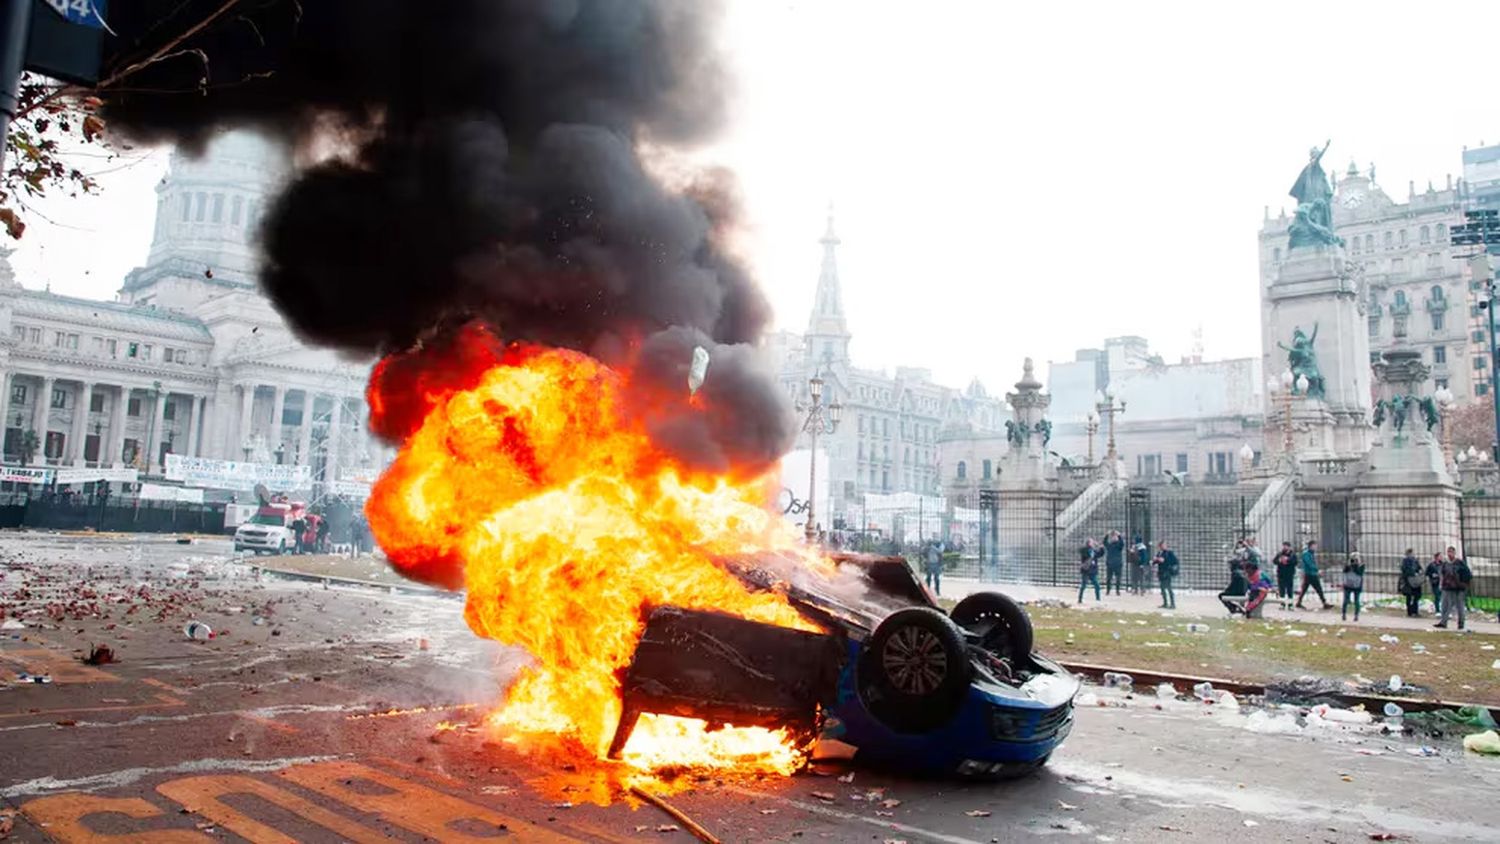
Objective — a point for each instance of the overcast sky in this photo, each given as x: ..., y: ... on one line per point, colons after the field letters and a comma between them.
x: 1016, y: 179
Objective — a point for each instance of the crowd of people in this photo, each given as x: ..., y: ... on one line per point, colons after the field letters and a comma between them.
x: 1446, y: 576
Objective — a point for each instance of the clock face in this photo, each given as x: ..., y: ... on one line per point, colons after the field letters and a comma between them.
x: 1354, y: 199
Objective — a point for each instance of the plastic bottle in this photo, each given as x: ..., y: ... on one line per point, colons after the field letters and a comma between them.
x: 1113, y: 680
x: 1395, y: 683
x: 198, y: 631
x: 1204, y: 691
x: 1198, y: 628
x: 1393, y: 711
x: 1166, y: 691
x: 1361, y: 647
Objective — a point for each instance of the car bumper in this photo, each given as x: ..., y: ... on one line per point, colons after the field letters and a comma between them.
x: 268, y: 543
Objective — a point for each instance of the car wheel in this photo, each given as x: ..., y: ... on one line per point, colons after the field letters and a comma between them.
x: 1001, y: 624
x: 914, y: 670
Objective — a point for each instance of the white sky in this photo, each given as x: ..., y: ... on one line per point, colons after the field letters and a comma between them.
x: 1018, y: 179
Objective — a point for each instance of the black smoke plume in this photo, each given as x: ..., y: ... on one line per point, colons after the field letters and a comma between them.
x: 493, y: 171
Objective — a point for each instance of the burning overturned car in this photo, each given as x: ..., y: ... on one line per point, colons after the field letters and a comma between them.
x: 893, y: 676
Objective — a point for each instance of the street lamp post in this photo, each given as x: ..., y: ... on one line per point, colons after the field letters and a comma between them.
x: 1483, y: 230
x: 1445, y: 399
x: 821, y: 418
x: 1092, y: 426
x: 1105, y: 402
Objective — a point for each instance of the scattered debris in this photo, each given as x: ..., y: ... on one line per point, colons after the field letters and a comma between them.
x: 677, y: 815
x: 1389, y: 639
x: 1382, y: 836
x: 825, y: 796
x: 846, y: 778
x: 197, y: 631
x: 890, y: 804
x: 982, y: 813
x: 1487, y: 743
x: 100, y: 655
x: 1066, y: 806
x: 1300, y: 634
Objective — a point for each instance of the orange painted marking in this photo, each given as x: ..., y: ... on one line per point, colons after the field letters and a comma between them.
x: 63, y: 816
x: 270, y: 723
x: 408, y: 805
x: 201, y: 795
x: 161, y: 701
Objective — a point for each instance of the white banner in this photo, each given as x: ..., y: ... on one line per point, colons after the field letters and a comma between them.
x: 233, y: 474
x: 157, y: 492
x: 24, y: 475
x: 85, y: 476
x: 351, y: 489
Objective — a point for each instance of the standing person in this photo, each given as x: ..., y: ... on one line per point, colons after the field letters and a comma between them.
x: 1454, y: 578
x: 1411, y: 583
x: 1354, y: 585
x: 1088, y: 568
x: 932, y: 567
x: 320, y: 537
x: 1286, y: 574
x: 1237, y: 584
x: 299, y: 526
x: 1310, y: 575
x: 1434, y: 572
x: 1166, y: 569
x: 1140, y: 562
x: 1114, y: 561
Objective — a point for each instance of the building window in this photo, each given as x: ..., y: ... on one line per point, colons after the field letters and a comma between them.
x: 1369, y: 243
x: 96, y: 403
x: 1481, y: 389
x: 202, y: 207
x: 218, y: 214
x: 1437, y: 293
x: 1437, y: 321
x: 963, y: 470
x: 986, y: 468
x: 1442, y: 232
x: 1402, y: 238
x: 59, y: 398
x: 19, y: 331
x: 1276, y: 254
x: 1479, y: 362
x: 54, y: 447
x: 1440, y: 383
x: 861, y: 423
x: 168, y: 409
x: 1181, y: 462
x: 1354, y: 245
x: 166, y: 354
x: 133, y: 350
x: 1387, y: 240
x: 111, y: 347
x: 145, y: 351
x: 1400, y: 294
x: 18, y: 394
x: 35, y: 336
x: 133, y: 407
x: 236, y: 206
x: 1439, y: 354
x: 1425, y: 235
x: 59, y: 338
x: 187, y: 207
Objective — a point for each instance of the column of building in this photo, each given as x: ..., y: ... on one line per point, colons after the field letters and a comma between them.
x: 304, y: 435
x: 78, y: 437
x: 242, y: 436
x: 116, y: 451
x: 278, y: 409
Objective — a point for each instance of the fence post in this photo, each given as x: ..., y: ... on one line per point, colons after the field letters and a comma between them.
x: 1244, y: 514
x: 1052, y: 529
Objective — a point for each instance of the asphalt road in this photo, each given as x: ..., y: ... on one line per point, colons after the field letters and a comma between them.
x: 274, y: 732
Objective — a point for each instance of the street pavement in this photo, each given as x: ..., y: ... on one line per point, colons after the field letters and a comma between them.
x: 322, y: 724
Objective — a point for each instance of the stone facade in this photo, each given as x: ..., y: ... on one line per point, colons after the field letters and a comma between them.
x: 191, y: 358
x: 889, y: 438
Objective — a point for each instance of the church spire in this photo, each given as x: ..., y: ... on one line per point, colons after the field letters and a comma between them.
x: 827, y: 332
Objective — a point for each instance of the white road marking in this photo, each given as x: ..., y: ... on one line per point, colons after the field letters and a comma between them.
x: 126, y: 776
x: 850, y: 816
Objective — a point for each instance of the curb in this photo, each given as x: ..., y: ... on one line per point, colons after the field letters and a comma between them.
x: 326, y: 579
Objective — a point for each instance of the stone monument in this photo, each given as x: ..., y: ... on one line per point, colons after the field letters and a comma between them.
x: 1025, y: 464
x: 1317, y: 329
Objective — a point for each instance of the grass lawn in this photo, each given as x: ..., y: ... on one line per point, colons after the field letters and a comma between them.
x: 1454, y: 667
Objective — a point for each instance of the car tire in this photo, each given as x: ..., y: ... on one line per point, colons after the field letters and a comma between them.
x: 914, y: 671
x: 1003, y: 627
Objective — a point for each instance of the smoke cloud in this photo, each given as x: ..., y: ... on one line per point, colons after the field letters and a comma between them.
x: 493, y: 172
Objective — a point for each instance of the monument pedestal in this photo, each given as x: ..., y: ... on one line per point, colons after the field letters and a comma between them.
x: 1314, y: 293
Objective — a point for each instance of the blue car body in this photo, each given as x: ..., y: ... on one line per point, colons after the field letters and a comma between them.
x: 1012, y: 713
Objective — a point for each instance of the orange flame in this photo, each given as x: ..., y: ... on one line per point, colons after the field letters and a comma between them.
x: 567, y: 524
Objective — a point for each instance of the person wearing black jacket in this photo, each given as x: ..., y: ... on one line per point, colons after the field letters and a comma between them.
x: 1286, y: 574
x: 1354, y: 585
x: 1411, y: 583
x: 1434, y: 572
x: 1237, y: 583
x: 1114, y: 561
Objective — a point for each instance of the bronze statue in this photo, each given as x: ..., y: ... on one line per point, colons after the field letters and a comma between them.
x: 1303, y: 361
x: 1313, y: 223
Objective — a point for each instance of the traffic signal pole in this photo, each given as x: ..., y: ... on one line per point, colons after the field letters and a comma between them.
x: 15, y: 25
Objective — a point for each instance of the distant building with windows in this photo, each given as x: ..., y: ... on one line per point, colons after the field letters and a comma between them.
x: 888, y: 439
x: 191, y: 358
x: 1409, y: 275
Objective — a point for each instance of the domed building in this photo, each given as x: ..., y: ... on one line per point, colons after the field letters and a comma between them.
x: 191, y: 359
